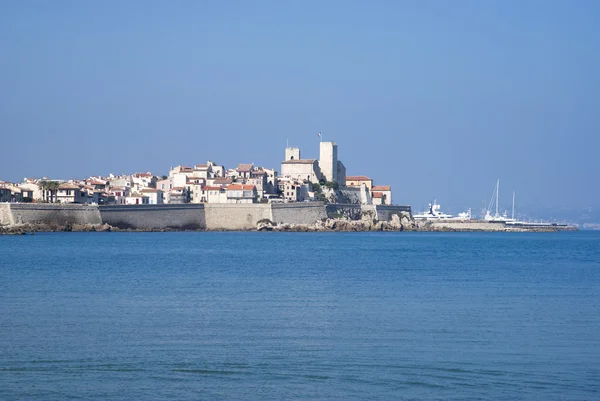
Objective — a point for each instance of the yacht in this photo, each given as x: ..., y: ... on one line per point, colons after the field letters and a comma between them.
x: 434, y: 213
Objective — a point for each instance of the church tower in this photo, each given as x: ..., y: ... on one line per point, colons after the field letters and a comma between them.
x: 328, y: 161
x: 292, y: 153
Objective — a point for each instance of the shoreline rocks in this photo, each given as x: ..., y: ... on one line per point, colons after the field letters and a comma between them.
x: 398, y: 222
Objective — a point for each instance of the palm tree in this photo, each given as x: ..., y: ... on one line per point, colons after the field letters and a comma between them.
x: 53, y: 187
x: 43, y: 185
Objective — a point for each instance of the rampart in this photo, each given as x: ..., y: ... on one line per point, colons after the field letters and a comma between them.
x: 6, y: 218
x: 40, y: 213
x: 385, y: 212
x: 155, y: 217
x: 235, y: 216
x: 188, y: 216
x: 298, y: 213
x: 350, y: 211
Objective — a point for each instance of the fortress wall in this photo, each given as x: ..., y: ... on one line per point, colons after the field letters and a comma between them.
x: 298, y: 213
x: 236, y: 216
x: 155, y: 217
x: 6, y: 217
x: 36, y: 213
x: 351, y: 211
x: 351, y: 195
x: 385, y: 212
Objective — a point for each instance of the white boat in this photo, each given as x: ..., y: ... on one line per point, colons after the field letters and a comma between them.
x: 497, y: 217
x: 516, y: 223
x: 434, y: 213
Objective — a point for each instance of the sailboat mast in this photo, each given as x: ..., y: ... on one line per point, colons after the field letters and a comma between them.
x: 513, y: 208
x: 497, y: 190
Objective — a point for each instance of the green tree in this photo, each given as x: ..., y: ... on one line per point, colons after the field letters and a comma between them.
x: 53, y: 188
x: 43, y: 185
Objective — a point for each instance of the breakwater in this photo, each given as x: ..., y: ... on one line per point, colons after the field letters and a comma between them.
x: 186, y: 216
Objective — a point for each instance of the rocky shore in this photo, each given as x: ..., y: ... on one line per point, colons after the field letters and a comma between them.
x: 366, y: 223
x: 398, y: 222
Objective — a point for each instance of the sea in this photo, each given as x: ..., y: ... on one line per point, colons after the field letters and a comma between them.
x: 300, y: 316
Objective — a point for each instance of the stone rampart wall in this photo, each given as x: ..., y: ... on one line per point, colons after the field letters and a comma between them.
x: 351, y: 211
x: 385, y: 212
x: 155, y: 217
x: 187, y: 216
x: 6, y: 218
x: 40, y: 213
x: 234, y: 216
x: 298, y: 213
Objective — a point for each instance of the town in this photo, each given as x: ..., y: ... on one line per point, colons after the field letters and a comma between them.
x: 299, y: 180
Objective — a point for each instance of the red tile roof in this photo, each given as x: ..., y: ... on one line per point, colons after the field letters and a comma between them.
x: 199, y: 166
x: 149, y: 190
x: 239, y: 187
x: 211, y: 188
x: 377, y: 194
x: 357, y: 178
x: 381, y: 188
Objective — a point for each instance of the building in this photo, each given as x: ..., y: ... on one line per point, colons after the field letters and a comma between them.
x: 358, y: 180
x: 119, y: 194
x: 332, y: 169
x: 32, y: 186
x: 295, y: 191
x: 295, y: 167
x: 327, y: 168
x: 258, y: 178
x: 219, y: 181
x: 5, y: 195
x: 179, y: 195
x: 244, y: 170
x: 137, y: 199
x: 70, y: 193
x: 214, y: 194
x: 241, y: 193
x: 155, y: 196
x: 382, y: 194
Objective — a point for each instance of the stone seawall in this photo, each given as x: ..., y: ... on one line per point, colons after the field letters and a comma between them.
x: 187, y: 216
x: 298, y: 213
x: 155, y: 217
x: 385, y: 212
x: 350, y: 211
x: 42, y: 213
x: 355, y: 212
x: 6, y: 218
x: 235, y: 216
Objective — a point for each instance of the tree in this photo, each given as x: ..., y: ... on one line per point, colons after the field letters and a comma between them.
x: 43, y: 185
x: 53, y: 188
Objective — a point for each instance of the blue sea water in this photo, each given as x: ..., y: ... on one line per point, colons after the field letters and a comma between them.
x: 313, y: 316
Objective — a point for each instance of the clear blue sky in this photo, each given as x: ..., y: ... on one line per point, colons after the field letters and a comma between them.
x: 436, y: 98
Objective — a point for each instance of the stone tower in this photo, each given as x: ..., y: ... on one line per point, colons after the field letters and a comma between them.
x: 328, y: 161
x: 292, y: 154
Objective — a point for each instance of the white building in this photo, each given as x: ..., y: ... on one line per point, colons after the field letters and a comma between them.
x: 155, y: 196
x: 70, y: 193
x: 327, y: 168
x: 241, y: 193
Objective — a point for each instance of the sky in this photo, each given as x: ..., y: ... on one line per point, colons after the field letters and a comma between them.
x: 438, y: 99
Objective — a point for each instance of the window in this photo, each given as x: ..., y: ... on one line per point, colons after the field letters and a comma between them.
x: 68, y: 192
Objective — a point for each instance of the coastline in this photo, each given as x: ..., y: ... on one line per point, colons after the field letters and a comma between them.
x: 396, y: 224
